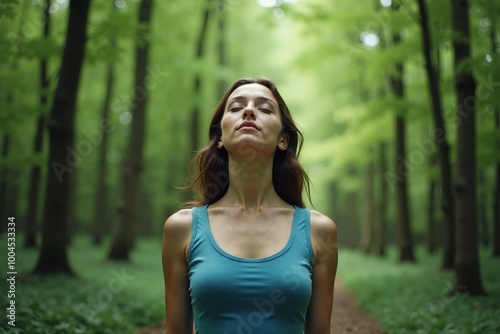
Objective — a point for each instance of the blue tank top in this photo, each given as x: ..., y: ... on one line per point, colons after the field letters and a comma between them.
x: 234, y: 295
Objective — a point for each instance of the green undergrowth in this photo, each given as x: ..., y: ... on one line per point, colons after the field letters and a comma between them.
x: 106, y: 297
x: 415, y: 298
x: 119, y: 297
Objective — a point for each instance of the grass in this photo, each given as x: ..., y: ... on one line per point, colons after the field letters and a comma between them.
x: 119, y: 297
x: 107, y: 297
x: 412, y: 298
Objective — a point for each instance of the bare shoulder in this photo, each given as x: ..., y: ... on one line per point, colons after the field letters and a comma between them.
x: 322, y: 224
x: 323, y: 236
x: 178, y: 226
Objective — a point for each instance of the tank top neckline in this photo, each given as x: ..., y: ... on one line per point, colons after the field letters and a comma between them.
x: 279, y: 253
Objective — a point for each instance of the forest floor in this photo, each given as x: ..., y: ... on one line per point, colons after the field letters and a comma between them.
x: 347, y: 318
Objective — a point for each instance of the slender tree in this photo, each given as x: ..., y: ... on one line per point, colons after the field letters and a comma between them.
x: 381, y: 212
x: 221, y: 45
x: 404, y: 237
x: 440, y: 139
x: 36, y: 170
x: 366, y: 232
x: 484, y: 233
x: 496, y: 198
x: 53, y: 255
x: 101, y: 195
x: 125, y: 228
x: 431, y: 217
x: 495, y: 48
x: 197, y: 85
x: 467, y: 271
x: 4, y: 175
x: 380, y: 219
x: 352, y: 216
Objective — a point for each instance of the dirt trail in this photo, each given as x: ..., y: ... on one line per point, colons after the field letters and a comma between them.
x: 346, y: 317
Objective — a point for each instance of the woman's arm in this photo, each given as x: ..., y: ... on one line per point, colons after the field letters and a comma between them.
x: 324, y: 242
x: 176, y: 238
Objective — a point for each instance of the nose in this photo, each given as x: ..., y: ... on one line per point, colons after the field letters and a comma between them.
x: 249, y: 112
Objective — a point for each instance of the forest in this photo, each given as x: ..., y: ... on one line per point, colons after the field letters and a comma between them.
x: 104, y: 103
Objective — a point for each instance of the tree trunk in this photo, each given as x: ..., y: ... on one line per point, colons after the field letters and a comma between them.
x: 431, y: 220
x: 496, y: 199
x: 484, y: 232
x: 72, y: 221
x: 352, y: 217
x: 381, y: 209
x: 496, y: 190
x: 175, y: 171
x: 381, y: 213
x: 34, y: 187
x: 496, y: 207
x: 367, y: 229
x: 200, y: 47
x: 403, y: 230
x: 221, y: 44
x: 62, y: 158
x: 4, y: 174
x: 405, y: 243
x: 126, y: 226
x: 467, y: 271
x: 101, y: 196
x: 440, y: 140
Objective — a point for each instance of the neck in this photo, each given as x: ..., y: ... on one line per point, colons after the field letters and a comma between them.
x: 251, y: 185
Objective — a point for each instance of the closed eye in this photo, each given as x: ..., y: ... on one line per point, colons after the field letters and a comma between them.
x: 235, y: 107
x: 265, y: 110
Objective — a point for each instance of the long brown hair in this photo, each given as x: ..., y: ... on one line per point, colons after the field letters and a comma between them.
x: 209, y: 173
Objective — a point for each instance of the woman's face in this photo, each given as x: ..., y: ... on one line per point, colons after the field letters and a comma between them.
x: 252, y: 122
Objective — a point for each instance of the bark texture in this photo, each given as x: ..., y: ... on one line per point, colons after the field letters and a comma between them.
x: 62, y: 157
x: 467, y: 270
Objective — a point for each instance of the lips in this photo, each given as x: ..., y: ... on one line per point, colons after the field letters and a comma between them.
x: 248, y: 125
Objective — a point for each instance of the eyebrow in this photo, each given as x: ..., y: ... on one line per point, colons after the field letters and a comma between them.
x: 261, y: 98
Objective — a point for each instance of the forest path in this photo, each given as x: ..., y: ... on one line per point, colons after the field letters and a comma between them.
x: 347, y: 318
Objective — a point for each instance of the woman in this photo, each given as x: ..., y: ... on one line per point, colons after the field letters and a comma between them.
x: 248, y: 257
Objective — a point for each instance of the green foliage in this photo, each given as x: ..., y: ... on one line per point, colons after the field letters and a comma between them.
x: 106, y: 298
x: 7, y: 8
x: 415, y: 298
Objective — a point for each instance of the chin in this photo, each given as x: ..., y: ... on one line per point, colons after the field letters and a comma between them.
x: 249, y: 149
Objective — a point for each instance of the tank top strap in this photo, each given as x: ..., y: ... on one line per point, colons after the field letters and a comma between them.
x: 198, y: 233
x: 303, y: 230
